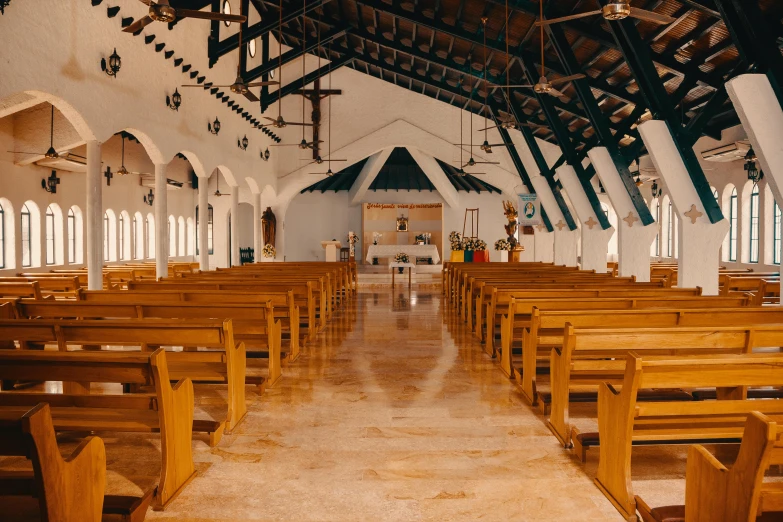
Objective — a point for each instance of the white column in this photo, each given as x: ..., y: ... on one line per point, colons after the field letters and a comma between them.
x: 161, y: 222
x: 595, y: 240
x: 543, y: 245
x: 634, y: 240
x: 94, y: 216
x: 258, y: 232
x: 699, y: 240
x: 235, y: 226
x: 565, y: 240
x: 203, y: 208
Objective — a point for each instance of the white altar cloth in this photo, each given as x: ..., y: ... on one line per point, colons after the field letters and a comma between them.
x: 413, y: 251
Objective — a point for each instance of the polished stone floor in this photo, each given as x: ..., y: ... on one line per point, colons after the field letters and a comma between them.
x: 394, y: 413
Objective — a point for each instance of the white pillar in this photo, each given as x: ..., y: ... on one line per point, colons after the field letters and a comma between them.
x: 595, y: 240
x: 543, y: 245
x: 94, y: 213
x: 161, y: 222
x: 699, y: 240
x: 203, y: 209
x: 565, y: 241
x: 634, y: 240
x: 258, y: 231
x: 235, y: 226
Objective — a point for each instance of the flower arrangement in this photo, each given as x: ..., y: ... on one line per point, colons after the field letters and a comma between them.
x: 479, y: 244
x: 376, y: 236
x: 268, y: 251
x: 455, y: 238
x: 353, y: 238
x: 502, y: 244
x: 402, y: 257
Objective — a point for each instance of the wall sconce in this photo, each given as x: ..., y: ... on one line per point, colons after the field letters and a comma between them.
x: 214, y: 128
x: 113, y: 66
x: 242, y: 144
x: 174, y: 101
x: 149, y: 198
x: 656, y: 191
x: 265, y: 155
x: 50, y: 184
x: 754, y: 174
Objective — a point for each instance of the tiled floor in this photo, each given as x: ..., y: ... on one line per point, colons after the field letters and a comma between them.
x: 393, y: 413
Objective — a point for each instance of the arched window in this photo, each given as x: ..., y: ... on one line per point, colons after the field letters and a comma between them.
x: 655, y: 210
x: 105, y: 236
x: 776, y: 235
x: 190, y: 236
x: 754, y: 224
x: 172, y: 237
x: 138, y: 236
x: 109, y: 235
x: 126, y: 237
x: 71, y: 236
x: 210, y: 245
x: 7, y: 235
x: 670, y: 236
x: 27, y: 237
x: 182, y: 237
x: 50, y: 235
x: 2, y: 236
x: 149, y: 225
x: 121, y: 236
x: 733, y: 211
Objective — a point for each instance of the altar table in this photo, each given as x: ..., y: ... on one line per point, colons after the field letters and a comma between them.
x: 413, y: 251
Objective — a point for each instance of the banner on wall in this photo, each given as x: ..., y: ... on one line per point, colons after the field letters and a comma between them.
x: 529, y: 210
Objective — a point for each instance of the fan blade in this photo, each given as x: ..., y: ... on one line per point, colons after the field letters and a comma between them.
x: 207, y: 87
x: 139, y: 24
x: 486, y: 162
x: 300, y: 124
x: 566, y: 18
x: 208, y: 15
x: 489, y: 128
x: 500, y: 144
x: 261, y: 84
x: 328, y: 160
x: 566, y: 79
x: 250, y: 96
x: 649, y: 16
x: 475, y: 173
x: 284, y: 145
x: 30, y: 153
x: 558, y: 94
x: 145, y: 2
x: 268, y: 118
x: 518, y: 86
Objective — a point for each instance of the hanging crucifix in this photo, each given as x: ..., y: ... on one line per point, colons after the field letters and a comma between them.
x: 315, y: 96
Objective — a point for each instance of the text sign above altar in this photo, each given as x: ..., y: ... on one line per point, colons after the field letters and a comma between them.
x: 403, y: 205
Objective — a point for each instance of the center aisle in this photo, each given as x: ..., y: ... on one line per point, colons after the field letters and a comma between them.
x: 393, y: 413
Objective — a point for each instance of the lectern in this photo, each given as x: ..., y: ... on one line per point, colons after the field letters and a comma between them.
x: 331, y: 248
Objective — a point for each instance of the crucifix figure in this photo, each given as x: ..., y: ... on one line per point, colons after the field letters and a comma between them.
x: 315, y: 96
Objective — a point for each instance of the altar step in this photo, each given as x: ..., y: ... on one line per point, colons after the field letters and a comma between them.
x: 380, y: 275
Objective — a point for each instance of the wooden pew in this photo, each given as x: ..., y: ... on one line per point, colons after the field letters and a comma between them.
x: 520, y: 313
x: 254, y: 325
x: 30, y: 290
x: 59, y: 287
x: 168, y: 410
x: 622, y: 421
x: 283, y: 303
x: 222, y: 362
x: 768, y: 293
x: 714, y: 493
x: 548, y: 329
x: 745, y: 282
x: 68, y: 488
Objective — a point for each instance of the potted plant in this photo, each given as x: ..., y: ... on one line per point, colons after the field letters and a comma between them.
x: 457, y: 250
x: 480, y: 254
x: 503, y: 246
x: 268, y: 252
x: 401, y: 257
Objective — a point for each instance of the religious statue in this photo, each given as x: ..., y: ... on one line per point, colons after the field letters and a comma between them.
x: 511, y: 228
x: 268, y: 226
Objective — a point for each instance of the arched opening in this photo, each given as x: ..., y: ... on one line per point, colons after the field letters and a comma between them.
x: 124, y: 232
x: 667, y: 238
x: 7, y: 235
x: 747, y: 201
x: 190, y: 236
x: 138, y: 236
x: 30, y: 228
x: 655, y: 210
x: 53, y: 233
x: 172, y: 237
x: 181, y: 237
x: 730, y: 209
x: 149, y: 225
x: 210, y: 225
x: 75, y: 236
x: 109, y: 235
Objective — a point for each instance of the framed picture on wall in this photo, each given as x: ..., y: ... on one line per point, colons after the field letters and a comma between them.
x: 402, y: 224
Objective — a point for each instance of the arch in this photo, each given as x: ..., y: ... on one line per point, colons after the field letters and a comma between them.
x: 138, y: 236
x: 149, y: 232
x: 228, y: 176
x: 753, y: 227
x: 124, y: 232
x: 730, y: 209
x: 66, y: 109
x: 191, y: 236
x: 251, y: 183
x: 75, y: 232
x: 181, y: 236
x: 7, y: 235
x: 152, y: 150
x: 109, y: 235
x: 195, y: 163
x: 30, y: 227
x: 53, y: 234
x: 172, y: 236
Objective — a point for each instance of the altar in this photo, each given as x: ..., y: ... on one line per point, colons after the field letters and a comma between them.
x: 413, y: 251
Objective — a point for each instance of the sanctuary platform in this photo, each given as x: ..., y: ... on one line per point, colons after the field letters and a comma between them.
x: 377, y: 276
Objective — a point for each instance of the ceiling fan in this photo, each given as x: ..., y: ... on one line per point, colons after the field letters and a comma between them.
x: 545, y: 86
x: 329, y: 160
x: 217, y: 192
x: 471, y: 162
x: 320, y: 160
x: 122, y: 171
x: 239, y: 86
x: 304, y: 144
x: 50, y: 153
x: 615, y: 10
x: 163, y: 12
x: 280, y: 122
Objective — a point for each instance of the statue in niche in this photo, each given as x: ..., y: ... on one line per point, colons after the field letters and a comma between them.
x: 268, y: 226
